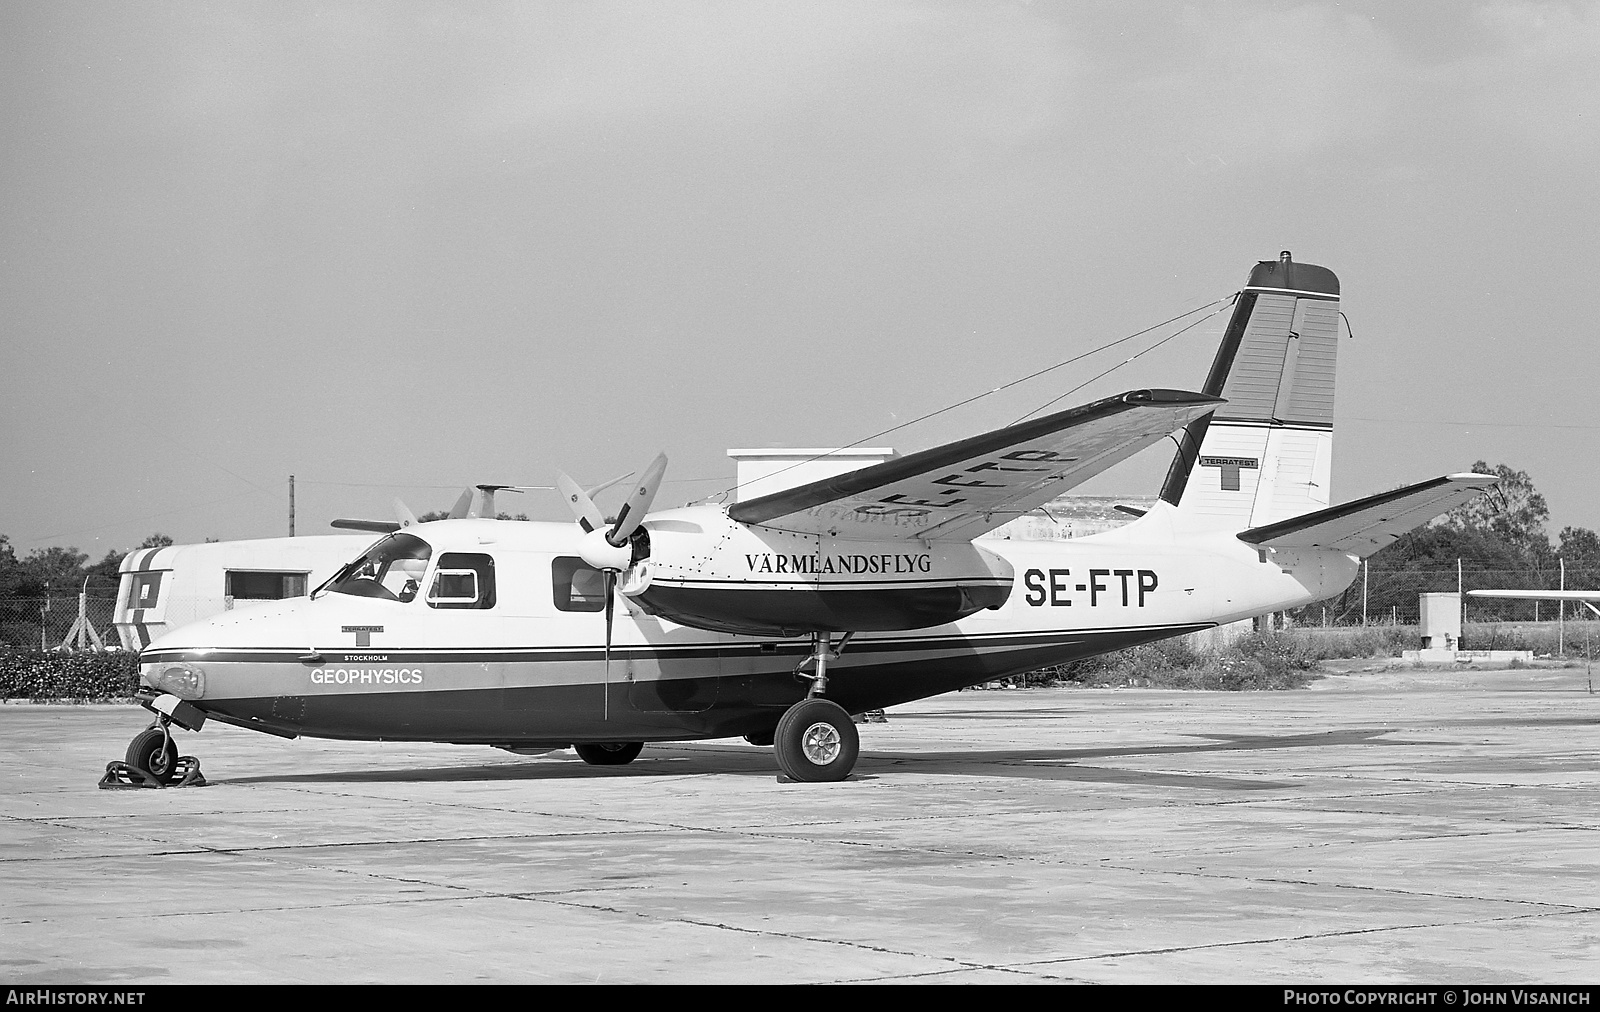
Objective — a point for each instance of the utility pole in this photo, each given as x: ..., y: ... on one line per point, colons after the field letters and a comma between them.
x: 291, y: 505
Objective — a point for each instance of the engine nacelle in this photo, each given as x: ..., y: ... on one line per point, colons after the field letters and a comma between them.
x: 710, y: 572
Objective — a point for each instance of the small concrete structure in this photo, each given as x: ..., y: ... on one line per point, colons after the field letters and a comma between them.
x: 1440, y: 624
x: 1440, y: 621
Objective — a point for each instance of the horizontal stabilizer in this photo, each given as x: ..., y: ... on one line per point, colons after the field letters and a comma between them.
x: 963, y: 489
x: 1362, y: 527
x: 376, y: 526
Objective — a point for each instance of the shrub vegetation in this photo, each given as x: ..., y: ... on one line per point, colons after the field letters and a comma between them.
x: 37, y: 674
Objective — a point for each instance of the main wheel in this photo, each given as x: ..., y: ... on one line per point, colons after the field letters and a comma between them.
x: 153, y: 752
x: 609, y: 753
x: 816, y: 741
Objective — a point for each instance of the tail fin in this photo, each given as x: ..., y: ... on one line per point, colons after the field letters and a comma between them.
x: 1267, y: 454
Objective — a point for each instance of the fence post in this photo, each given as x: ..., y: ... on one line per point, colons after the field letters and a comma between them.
x: 1363, y: 593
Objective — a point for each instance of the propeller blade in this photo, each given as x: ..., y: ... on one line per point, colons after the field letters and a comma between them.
x: 376, y: 526
x: 463, y: 506
x: 639, y: 500
x: 403, y: 514
x: 610, y: 580
x: 589, y: 516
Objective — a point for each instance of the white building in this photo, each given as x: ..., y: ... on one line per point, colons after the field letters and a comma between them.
x: 163, y: 588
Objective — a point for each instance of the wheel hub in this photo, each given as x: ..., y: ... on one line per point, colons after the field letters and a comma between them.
x: 821, y: 743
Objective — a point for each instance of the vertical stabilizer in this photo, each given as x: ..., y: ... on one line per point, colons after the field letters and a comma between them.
x: 1267, y: 454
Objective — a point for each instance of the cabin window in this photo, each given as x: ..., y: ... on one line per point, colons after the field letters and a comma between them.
x: 390, y: 570
x: 264, y: 586
x: 577, y: 585
x: 463, y: 580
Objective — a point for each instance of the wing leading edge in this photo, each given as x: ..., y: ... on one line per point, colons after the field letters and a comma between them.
x: 1362, y: 527
x: 1584, y: 596
x: 960, y: 490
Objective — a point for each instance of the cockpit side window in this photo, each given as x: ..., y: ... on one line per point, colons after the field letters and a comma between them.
x: 577, y: 586
x: 463, y: 580
x: 390, y: 570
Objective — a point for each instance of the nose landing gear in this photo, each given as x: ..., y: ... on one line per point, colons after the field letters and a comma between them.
x: 152, y: 759
x: 153, y: 752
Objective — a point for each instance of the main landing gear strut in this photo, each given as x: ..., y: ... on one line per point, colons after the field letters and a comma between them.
x: 816, y: 741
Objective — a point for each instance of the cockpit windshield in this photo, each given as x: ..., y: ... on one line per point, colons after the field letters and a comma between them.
x: 390, y: 570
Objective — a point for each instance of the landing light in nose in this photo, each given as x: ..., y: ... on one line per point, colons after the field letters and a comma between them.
x: 184, y: 680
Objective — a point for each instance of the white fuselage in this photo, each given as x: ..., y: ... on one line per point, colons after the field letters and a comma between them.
x: 530, y: 669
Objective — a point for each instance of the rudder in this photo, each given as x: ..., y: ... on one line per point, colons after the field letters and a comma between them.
x: 1266, y: 455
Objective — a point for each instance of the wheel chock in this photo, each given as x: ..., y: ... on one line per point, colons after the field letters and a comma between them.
x: 121, y: 777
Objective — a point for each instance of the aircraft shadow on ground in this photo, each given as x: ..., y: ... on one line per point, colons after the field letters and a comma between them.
x: 678, y: 759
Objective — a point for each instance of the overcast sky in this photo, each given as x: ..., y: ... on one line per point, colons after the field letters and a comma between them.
x: 396, y: 249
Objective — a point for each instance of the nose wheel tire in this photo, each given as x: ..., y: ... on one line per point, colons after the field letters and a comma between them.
x: 154, y: 753
x: 610, y: 753
x: 816, y: 741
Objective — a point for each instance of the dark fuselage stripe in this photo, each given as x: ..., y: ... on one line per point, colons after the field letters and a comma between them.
x: 575, y: 652
x: 816, y: 584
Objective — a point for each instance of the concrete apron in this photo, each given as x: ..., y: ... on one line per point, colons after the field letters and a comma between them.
x: 1430, y: 826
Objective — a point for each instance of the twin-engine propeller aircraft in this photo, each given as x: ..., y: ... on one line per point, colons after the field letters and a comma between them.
x: 779, y: 616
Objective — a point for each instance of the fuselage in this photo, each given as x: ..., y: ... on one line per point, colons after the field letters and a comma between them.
x: 498, y: 636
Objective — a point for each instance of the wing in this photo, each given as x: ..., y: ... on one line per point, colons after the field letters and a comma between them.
x: 1540, y: 595
x: 1362, y: 527
x: 960, y: 490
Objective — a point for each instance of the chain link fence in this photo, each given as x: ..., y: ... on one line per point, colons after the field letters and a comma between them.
x: 1391, y: 596
x: 41, y: 623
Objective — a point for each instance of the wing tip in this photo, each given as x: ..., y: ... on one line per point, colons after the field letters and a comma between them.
x: 1164, y: 397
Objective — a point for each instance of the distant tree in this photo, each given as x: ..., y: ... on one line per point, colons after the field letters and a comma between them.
x: 1513, y: 511
x: 445, y: 515
x: 1580, y: 544
x: 11, y: 575
x: 1580, y: 549
x: 1425, y: 561
x: 103, y: 575
x: 63, y: 569
x: 59, y: 569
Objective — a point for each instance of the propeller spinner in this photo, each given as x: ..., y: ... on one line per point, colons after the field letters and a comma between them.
x: 611, y: 550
